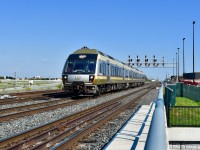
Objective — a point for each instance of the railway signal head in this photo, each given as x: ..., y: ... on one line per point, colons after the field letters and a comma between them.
x: 154, y: 60
x: 138, y: 60
x: 163, y: 62
x: 129, y: 60
x: 146, y: 61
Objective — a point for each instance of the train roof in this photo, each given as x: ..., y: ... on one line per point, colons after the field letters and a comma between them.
x: 86, y: 50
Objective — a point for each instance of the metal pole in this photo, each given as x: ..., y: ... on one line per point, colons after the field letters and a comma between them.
x: 183, y: 57
x: 178, y: 63
x: 173, y: 67
x: 193, y: 50
x: 176, y: 69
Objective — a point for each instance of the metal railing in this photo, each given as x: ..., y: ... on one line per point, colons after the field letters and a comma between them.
x: 156, y: 139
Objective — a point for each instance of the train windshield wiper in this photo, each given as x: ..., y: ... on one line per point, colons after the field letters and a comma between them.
x: 79, y: 71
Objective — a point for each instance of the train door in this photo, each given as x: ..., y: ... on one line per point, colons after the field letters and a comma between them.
x: 108, y: 71
x: 123, y: 73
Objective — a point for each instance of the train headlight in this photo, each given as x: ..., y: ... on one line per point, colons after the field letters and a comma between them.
x: 65, y: 78
x: 91, y: 78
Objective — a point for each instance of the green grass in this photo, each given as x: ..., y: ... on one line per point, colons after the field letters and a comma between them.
x: 182, y: 101
x: 185, y: 116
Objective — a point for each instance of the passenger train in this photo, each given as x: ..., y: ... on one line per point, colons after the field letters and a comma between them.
x: 89, y: 71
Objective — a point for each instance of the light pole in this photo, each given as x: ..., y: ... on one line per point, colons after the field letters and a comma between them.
x: 176, y: 69
x: 193, y: 50
x: 173, y: 67
x: 178, y: 62
x: 183, y: 57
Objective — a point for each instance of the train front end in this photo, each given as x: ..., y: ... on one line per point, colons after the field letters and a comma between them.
x: 79, y: 73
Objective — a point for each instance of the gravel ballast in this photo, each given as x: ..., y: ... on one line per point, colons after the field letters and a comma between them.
x: 28, y: 122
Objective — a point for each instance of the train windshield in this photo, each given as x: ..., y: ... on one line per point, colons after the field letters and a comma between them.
x: 80, y: 64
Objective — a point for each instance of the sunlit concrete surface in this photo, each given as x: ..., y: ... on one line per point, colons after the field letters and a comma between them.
x: 134, y: 134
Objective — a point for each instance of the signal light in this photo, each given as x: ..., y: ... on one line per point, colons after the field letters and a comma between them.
x: 146, y: 60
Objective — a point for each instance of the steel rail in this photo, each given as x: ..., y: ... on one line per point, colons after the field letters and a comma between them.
x: 38, y: 110
x: 14, y: 100
x: 21, y: 108
x: 35, y: 93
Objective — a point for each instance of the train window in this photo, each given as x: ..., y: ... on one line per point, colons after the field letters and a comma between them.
x: 91, y: 67
x: 116, y: 71
x: 80, y: 66
x: 130, y: 74
x: 103, y: 68
x: 126, y: 73
x: 120, y: 72
x: 69, y: 66
x: 112, y: 70
x: 136, y: 75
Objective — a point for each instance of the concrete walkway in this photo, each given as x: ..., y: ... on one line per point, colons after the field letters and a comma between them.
x: 134, y: 134
x: 183, y: 134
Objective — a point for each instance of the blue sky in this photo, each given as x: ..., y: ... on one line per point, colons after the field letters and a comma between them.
x: 36, y: 36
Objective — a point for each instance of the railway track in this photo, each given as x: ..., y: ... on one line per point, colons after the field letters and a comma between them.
x: 46, y: 106
x: 26, y: 108
x: 72, y: 128
x: 27, y: 94
x: 21, y: 111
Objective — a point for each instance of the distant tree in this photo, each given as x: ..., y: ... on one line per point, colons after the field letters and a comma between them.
x: 8, y: 77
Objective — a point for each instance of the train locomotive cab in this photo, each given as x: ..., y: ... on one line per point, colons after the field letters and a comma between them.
x: 79, y: 73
